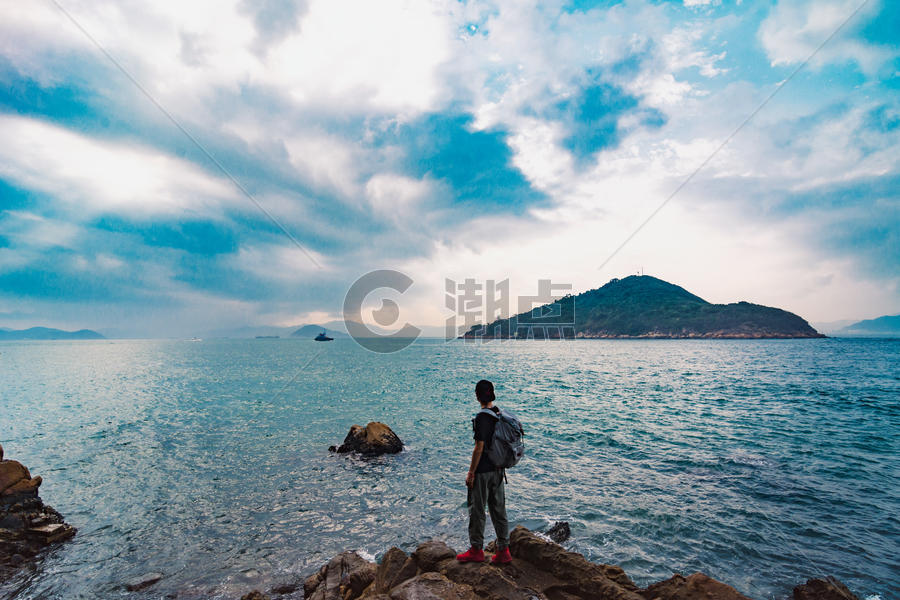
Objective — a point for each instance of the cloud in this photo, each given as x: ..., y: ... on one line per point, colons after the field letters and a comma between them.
x: 508, y: 138
x: 794, y: 30
x: 93, y: 176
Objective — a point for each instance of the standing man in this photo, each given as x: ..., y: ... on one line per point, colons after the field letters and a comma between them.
x: 485, y: 483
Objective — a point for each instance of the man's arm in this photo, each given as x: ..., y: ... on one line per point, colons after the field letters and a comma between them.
x: 476, y: 457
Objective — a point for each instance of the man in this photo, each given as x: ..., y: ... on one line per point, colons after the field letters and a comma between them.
x: 485, y: 483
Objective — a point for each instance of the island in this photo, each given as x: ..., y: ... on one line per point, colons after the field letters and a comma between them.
x: 642, y: 306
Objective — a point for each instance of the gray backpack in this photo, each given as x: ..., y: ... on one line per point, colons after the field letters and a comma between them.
x: 507, y: 447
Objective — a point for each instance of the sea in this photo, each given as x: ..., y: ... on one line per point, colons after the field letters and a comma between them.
x: 761, y: 463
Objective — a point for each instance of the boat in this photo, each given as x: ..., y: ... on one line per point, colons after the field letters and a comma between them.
x: 323, y: 338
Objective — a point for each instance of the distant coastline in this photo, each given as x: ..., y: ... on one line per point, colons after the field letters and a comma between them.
x: 48, y: 333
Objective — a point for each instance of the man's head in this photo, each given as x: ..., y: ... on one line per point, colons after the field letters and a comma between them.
x: 484, y: 391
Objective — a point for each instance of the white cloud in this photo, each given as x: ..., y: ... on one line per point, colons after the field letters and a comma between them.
x: 382, y: 55
x: 279, y: 262
x: 795, y: 29
x: 326, y: 161
x: 396, y: 197
x: 96, y: 176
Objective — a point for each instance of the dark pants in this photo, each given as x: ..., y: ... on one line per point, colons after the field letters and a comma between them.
x: 488, y: 490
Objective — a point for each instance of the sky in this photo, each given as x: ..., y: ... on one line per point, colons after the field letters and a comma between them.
x: 172, y: 167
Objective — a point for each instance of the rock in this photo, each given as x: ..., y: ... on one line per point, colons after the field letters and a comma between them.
x: 395, y: 568
x: 823, y: 589
x: 429, y: 554
x: 487, y: 580
x: 372, y: 440
x: 285, y: 588
x: 11, y: 473
x: 343, y: 578
x: 560, y: 532
x: 27, y: 525
x: 606, y: 581
x: 23, y: 486
x: 432, y: 586
x: 255, y: 595
x: 143, y: 582
x: 540, y: 570
x: 14, y: 521
x: 694, y: 587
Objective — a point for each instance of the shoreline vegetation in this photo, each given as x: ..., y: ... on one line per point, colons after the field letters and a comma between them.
x: 644, y: 307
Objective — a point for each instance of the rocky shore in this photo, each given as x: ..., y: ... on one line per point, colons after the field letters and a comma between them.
x: 541, y: 570
x: 27, y: 525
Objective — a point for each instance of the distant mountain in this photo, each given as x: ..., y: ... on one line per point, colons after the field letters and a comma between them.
x: 830, y: 327
x: 311, y: 331
x: 647, y: 307
x: 47, y: 333
x: 886, y: 326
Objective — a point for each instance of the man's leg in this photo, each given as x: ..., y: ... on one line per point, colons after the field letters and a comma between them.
x: 497, y: 506
x: 478, y: 495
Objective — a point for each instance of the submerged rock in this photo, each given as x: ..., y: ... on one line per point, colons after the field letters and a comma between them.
x: 143, y: 582
x: 371, y: 440
x: 27, y: 525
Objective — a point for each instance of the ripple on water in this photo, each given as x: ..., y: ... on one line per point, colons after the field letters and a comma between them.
x: 760, y: 463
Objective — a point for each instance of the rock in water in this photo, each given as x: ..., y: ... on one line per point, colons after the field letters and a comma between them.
x: 371, y: 440
x: 560, y: 532
x: 821, y: 589
x: 144, y: 581
x: 27, y: 525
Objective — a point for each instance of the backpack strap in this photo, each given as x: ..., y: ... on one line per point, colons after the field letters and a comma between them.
x: 488, y: 411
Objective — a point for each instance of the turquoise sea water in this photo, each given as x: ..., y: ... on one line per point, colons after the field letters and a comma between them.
x: 761, y: 463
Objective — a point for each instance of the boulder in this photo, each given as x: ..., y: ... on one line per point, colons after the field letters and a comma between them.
x: 255, y: 595
x: 429, y: 554
x: 694, y: 587
x: 823, y: 589
x: 490, y: 582
x: 395, y: 568
x: 560, y: 532
x: 24, y: 486
x: 372, y: 440
x: 345, y: 577
x: 606, y: 581
x: 432, y: 586
x: 11, y: 473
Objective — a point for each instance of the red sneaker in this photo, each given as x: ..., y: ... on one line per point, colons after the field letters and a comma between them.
x: 501, y: 558
x: 471, y: 555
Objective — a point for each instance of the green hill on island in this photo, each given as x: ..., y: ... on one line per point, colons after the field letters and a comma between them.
x: 646, y: 307
x: 48, y: 333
